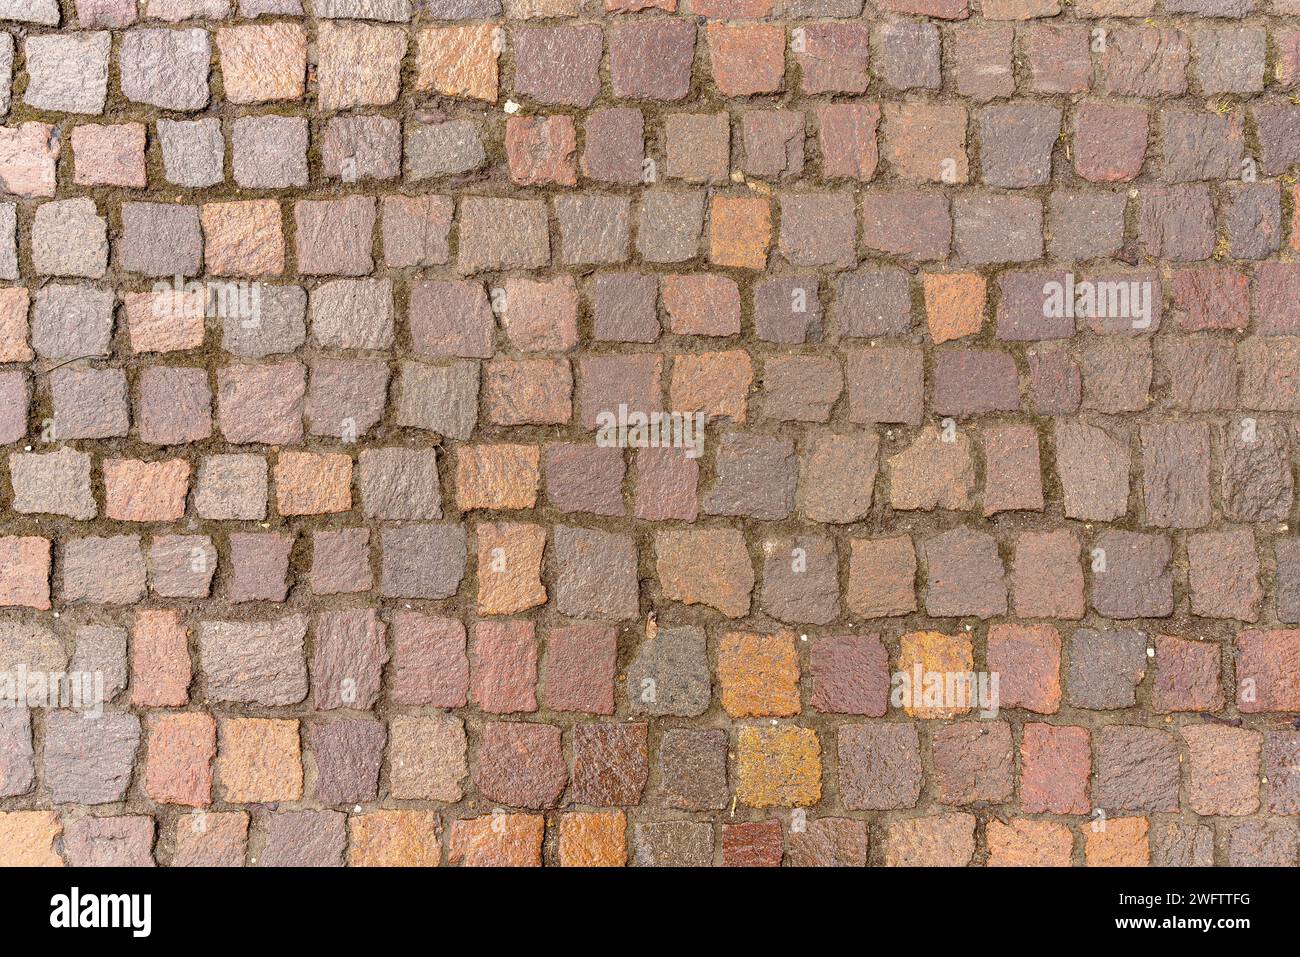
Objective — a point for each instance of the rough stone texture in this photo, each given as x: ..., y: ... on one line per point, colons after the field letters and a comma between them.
x: 1264, y: 662
x: 193, y: 152
x: 965, y: 575
x: 1268, y: 843
x: 69, y: 238
x: 108, y: 571
x: 1137, y: 580
x: 160, y: 664
x: 1137, y: 769
x: 1028, y: 659
x: 422, y: 561
x: 28, y: 837
x: 973, y: 761
x: 178, y: 763
x: 693, y: 769
x: 348, y: 661
x: 932, y: 473
x: 521, y: 765
x: 394, y: 839
x: 56, y: 483
x: 1047, y: 577
x: 328, y: 335
x: 880, y: 766
x: 943, y: 840
x: 17, y: 757
x: 578, y: 672
x: 305, y: 839
x: 497, y: 840
x: 427, y: 758
x: 672, y: 844
x: 1182, y: 845
x: 254, y: 662
x: 1055, y: 764
x: 1224, y: 769
x: 166, y: 68
x: 593, y: 840
x: 778, y: 767
x: 1123, y: 843
x: 121, y: 841
x: 1027, y: 843
x: 67, y: 73
x: 670, y: 674
x: 348, y: 755
x: 723, y: 577
x: 758, y: 675
x: 610, y: 764
x: 1094, y: 471
x: 89, y: 761
x: 259, y: 760
x: 1105, y: 668
x: 829, y: 842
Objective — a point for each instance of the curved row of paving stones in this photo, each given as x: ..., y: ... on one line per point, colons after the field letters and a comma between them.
x: 336, y: 534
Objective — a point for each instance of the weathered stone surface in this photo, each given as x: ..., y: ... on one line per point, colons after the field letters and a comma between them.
x: 348, y: 755
x: 394, y: 839
x: 17, y: 758
x: 166, y: 68
x: 966, y: 576
x: 932, y: 473
x: 670, y: 674
x: 880, y: 766
x: 1182, y: 845
x: 1223, y: 771
x: 304, y: 839
x: 693, y: 768
x: 497, y: 840
x: 27, y: 838
x: 1138, y: 578
x: 723, y: 577
x: 673, y: 844
x: 800, y: 581
x: 422, y: 561
x: 944, y: 840
x: 412, y: 458
x: 610, y: 764
x: 259, y: 760
x: 55, y: 483
x: 1137, y: 769
x: 778, y: 767
x: 89, y: 761
x: 520, y: 764
x: 347, y: 664
x: 1094, y: 472
x: 1105, y: 668
x: 254, y: 662
x: 427, y: 758
x: 121, y: 841
x: 1265, y: 668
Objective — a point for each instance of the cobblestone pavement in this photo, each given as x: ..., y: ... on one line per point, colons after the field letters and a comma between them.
x: 649, y: 432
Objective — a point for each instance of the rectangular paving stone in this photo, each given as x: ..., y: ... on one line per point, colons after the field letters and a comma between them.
x: 424, y: 415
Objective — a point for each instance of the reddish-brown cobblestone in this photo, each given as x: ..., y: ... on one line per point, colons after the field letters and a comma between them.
x: 629, y: 432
